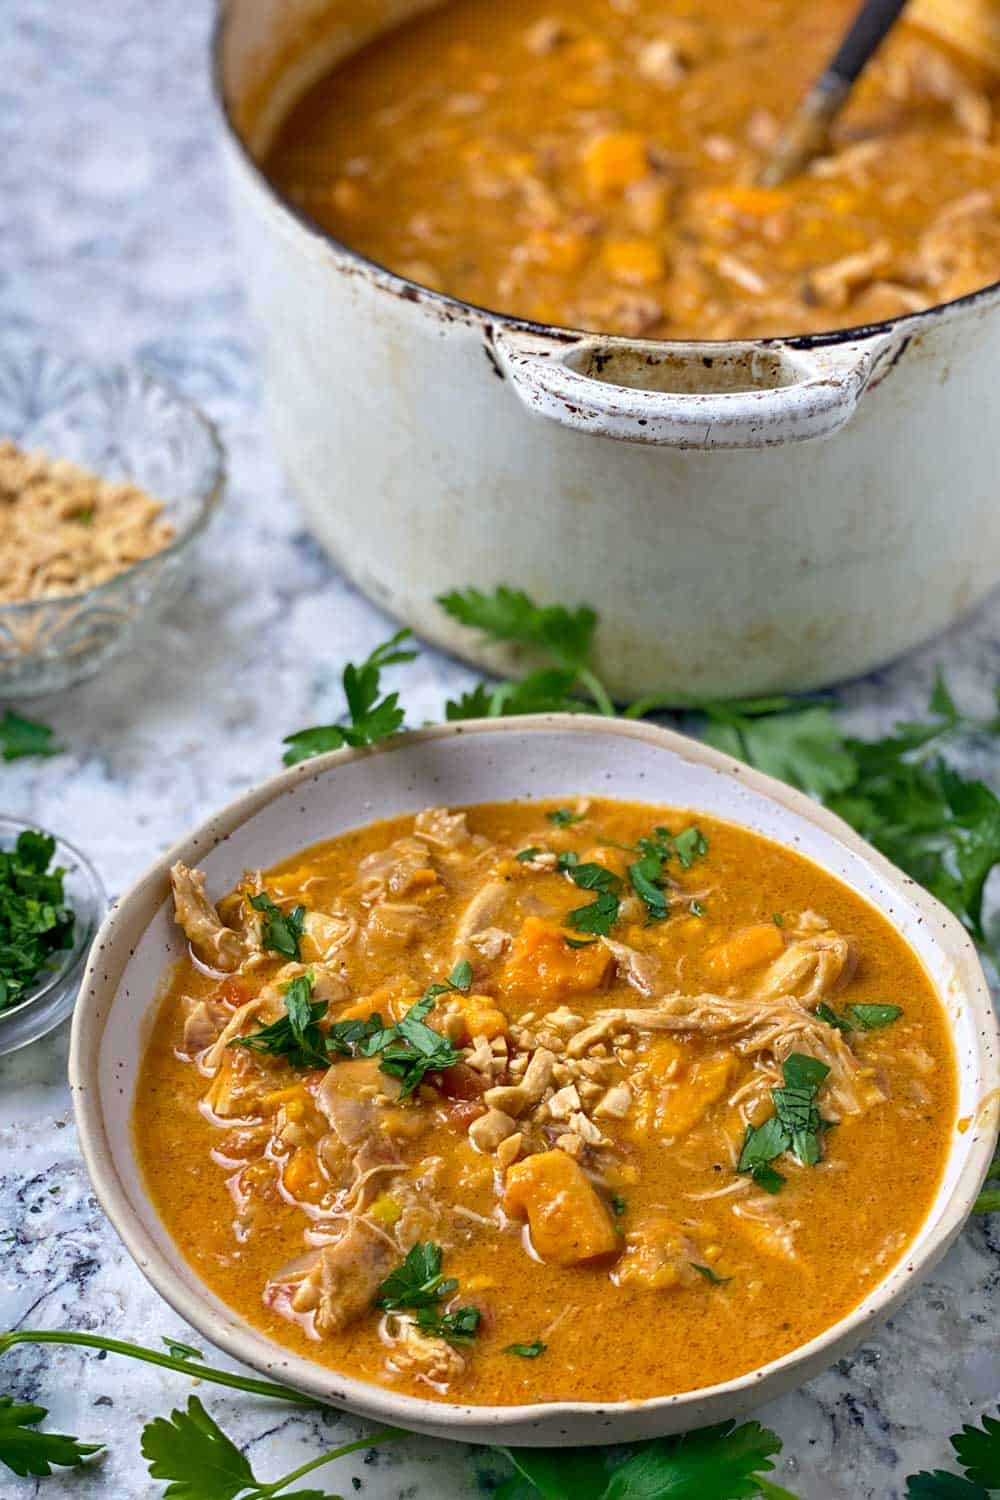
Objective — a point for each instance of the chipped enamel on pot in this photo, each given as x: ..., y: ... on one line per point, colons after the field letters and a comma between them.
x: 489, y: 760
x: 747, y: 517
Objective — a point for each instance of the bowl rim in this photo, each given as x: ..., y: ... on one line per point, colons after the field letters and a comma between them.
x: 208, y: 495
x: 463, y: 1422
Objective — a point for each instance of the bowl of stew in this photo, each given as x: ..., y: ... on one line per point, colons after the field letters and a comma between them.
x: 525, y: 318
x: 415, y: 1071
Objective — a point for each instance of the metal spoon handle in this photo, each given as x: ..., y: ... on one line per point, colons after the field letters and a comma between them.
x: 808, y: 131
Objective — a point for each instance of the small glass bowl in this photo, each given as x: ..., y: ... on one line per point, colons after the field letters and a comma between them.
x: 57, y: 986
x: 123, y: 423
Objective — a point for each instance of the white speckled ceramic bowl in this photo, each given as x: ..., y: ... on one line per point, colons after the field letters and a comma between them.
x: 487, y: 760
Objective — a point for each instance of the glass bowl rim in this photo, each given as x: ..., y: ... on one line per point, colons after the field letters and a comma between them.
x: 207, y: 496
x: 74, y: 957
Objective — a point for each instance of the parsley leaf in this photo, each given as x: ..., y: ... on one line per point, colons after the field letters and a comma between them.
x: 978, y: 1452
x: 296, y: 1035
x: 874, y: 1017
x: 27, y: 1451
x: 690, y: 844
x: 371, y: 718
x: 191, y: 1451
x: 280, y: 931
x: 35, y: 921
x: 526, y: 1351
x: 20, y: 737
x: 718, y: 1463
x: 598, y: 917
x: 803, y: 746
x: 562, y: 817
x: 459, y: 1327
x: 182, y: 1351
x: 525, y: 855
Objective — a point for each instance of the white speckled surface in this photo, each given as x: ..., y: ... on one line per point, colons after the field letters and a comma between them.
x: 116, y: 242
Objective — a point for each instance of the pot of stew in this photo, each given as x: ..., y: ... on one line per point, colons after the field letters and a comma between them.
x: 526, y: 317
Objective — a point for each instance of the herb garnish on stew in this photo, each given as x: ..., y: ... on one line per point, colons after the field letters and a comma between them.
x: 280, y: 931
x: 296, y: 1035
x: 418, y: 1285
x: 860, y: 1017
x: 795, y: 1125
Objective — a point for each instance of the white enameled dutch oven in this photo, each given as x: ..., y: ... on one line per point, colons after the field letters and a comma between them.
x: 487, y: 760
x: 771, y: 514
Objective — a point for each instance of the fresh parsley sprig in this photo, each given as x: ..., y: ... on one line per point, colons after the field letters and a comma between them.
x: 600, y: 915
x: 372, y: 718
x: 978, y: 1451
x: 859, y: 1017
x: 20, y: 737
x: 411, y: 1049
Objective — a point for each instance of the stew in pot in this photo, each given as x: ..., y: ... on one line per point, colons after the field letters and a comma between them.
x: 591, y: 165
x: 529, y: 1102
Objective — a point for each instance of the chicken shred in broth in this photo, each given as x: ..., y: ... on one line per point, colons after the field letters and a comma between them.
x: 671, y: 1102
x: 593, y: 165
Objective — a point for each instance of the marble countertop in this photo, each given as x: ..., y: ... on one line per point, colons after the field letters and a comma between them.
x: 117, y: 244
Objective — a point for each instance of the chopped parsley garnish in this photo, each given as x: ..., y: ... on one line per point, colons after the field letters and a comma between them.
x: 296, y: 1035
x: 410, y: 1049
x: 860, y: 1017
x: 35, y: 921
x: 526, y: 855
x: 562, y: 817
x: 644, y: 878
x: 710, y: 1275
x: 795, y: 1125
x: 418, y: 1285
x: 527, y: 1351
x: 280, y: 931
x: 690, y: 844
x: 182, y: 1351
x: 618, y: 1205
x: 698, y: 909
x: 27, y: 1451
x: 778, y: 919
x: 600, y: 915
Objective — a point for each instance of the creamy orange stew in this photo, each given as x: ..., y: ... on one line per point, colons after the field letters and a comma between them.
x: 592, y: 164
x: 522, y: 1103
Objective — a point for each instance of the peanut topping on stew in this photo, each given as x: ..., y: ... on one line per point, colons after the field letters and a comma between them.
x: 543, y: 1101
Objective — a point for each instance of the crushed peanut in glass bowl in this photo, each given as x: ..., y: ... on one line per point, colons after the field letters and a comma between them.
x: 107, y: 478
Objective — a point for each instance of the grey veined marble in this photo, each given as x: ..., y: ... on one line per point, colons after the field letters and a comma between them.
x: 115, y: 242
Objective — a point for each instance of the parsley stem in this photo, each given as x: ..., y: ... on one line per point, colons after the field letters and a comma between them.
x: 153, y: 1357
x: 595, y: 687
x: 386, y: 1435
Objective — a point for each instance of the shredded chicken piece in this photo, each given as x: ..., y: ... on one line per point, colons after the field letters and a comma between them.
x: 394, y: 871
x: 422, y: 1354
x: 641, y: 970
x: 324, y: 934
x: 810, y: 968
x: 441, y: 828
x: 477, y: 917
x: 260, y: 1011
x: 395, y: 924
x: 214, y: 943
x: 833, y: 285
x: 490, y: 943
x: 346, y: 1277
x: 202, y: 1024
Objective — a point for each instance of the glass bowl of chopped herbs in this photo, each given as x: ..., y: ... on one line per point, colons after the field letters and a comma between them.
x: 51, y: 904
x: 107, y: 479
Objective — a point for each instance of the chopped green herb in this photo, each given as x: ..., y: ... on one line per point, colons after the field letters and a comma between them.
x: 419, y: 1285
x: 598, y: 917
x: 689, y: 845
x: 778, y: 919
x: 644, y: 877
x: 35, y: 921
x: 562, y: 817
x: 874, y: 1017
x: 827, y: 1014
x: 182, y: 1351
x: 618, y: 1205
x: 795, y: 1126
x: 579, y: 942
x: 296, y: 1035
x: 280, y: 931
x: 20, y: 737
x: 410, y: 1049
x: 372, y: 718
x: 698, y: 909
x: 709, y: 1274
x: 526, y: 855
x: 527, y: 1351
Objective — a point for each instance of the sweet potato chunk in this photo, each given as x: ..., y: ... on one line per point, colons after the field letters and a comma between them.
x: 683, y: 1104
x: 543, y: 967
x: 744, y: 950
x: 569, y: 1224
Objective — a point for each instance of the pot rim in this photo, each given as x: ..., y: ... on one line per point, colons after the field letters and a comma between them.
x: 387, y: 280
x: 200, y: 1307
